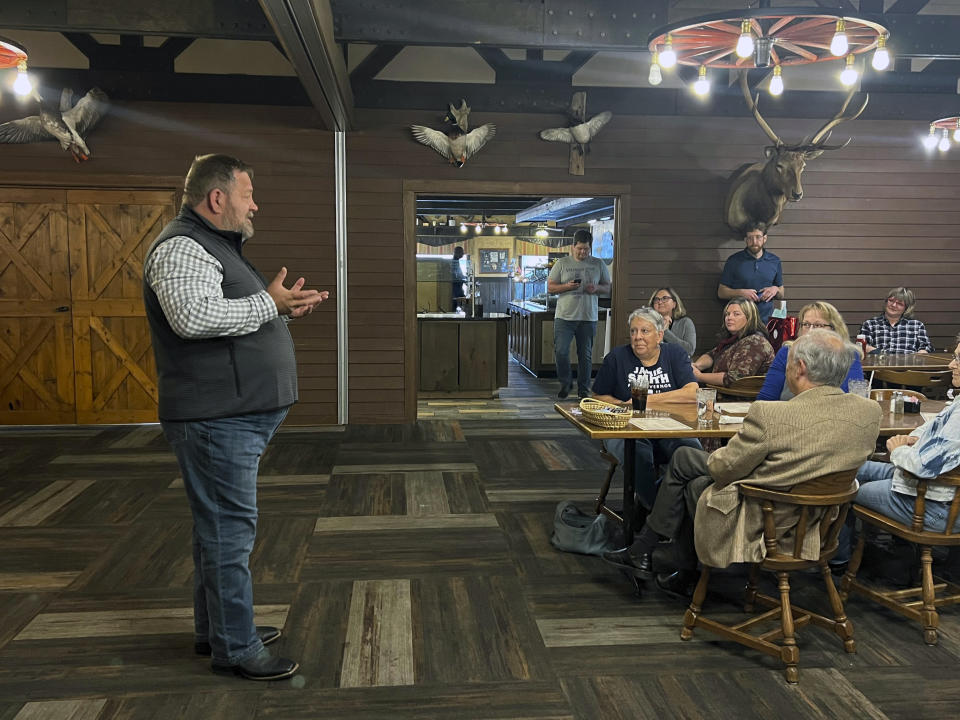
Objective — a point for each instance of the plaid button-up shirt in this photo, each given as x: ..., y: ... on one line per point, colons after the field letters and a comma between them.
x: 186, y: 279
x: 907, y: 336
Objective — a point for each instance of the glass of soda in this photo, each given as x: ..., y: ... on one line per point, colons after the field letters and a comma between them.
x: 639, y: 387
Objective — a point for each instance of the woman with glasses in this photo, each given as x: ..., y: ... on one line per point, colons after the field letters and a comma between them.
x: 679, y: 329
x: 744, y: 349
x: 667, y: 368
x: 815, y: 316
x: 895, y: 330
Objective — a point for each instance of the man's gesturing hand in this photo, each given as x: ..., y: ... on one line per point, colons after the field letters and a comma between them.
x: 295, y: 302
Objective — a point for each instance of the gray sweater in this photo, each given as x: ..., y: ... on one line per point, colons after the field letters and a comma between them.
x: 683, y: 333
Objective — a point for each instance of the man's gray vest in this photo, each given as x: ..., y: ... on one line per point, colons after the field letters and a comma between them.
x: 204, y: 379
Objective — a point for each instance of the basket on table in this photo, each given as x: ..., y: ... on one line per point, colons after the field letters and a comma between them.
x: 606, y: 415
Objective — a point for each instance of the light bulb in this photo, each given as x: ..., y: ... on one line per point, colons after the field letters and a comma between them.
x: 956, y: 133
x: 702, y: 86
x: 668, y: 58
x: 477, y: 228
x: 22, y: 85
x: 463, y: 228
x: 655, y: 77
x: 944, y: 143
x: 849, y: 76
x: 930, y: 141
x: 839, y: 44
x: 881, y: 57
x: 745, y: 41
x: 776, y: 82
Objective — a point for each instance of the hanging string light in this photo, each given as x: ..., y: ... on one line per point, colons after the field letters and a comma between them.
x: 745, y: 41
x: 881, y: 56
x: 849, y: 76
x: 839, y: 45
x: 655, y: 77
x: 944, y: 143
x: 930, y: 141
x: 668, y: 58
x: 776, y: 82
x: 702, y: 86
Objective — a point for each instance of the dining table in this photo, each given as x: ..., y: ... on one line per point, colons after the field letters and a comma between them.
x: 931, y: 362
x: 679, y: 420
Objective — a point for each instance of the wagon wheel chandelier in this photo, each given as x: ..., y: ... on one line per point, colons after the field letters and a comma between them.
x: 941, y: 140
x: 14, y: 55
x: 765, y: 37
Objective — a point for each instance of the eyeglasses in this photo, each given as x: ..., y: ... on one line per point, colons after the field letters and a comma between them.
x: 894, y: 301
x: 815, y: 326
x: 662, y: 299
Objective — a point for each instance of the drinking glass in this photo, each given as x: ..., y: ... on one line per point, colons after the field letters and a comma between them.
x: 706, y: 397
x: 639, y: 387
x: 859, y: 387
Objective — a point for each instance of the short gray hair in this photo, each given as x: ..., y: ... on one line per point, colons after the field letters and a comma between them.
x: 210, y: 172
x: 827, y: 356
x: 650, y: 315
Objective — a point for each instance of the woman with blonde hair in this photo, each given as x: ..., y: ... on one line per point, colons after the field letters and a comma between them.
x: 744, y: 350
x: 679, y: 329
x: 817, y: 315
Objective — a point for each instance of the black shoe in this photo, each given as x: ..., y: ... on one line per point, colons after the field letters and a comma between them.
x: 267, y: 635
x: 639, y: 566
x: 262, y: 666
x: 564, y: 391
x: 665, y: 558
x: 678, y: 584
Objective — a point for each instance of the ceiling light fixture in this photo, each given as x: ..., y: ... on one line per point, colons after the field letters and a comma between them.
x: 14, y: 55
x: 881, y: 57
x: 944, y: 143
x: 745, y: 41
x: 655, y: 77
x: 930, y: 141
x: 780, y: 37
x: 849, y: 76
x: 839, y: 44
x: 702, y: 86
x: 776, y: 82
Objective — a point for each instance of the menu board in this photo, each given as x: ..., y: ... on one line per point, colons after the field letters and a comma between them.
x: 494, y: 261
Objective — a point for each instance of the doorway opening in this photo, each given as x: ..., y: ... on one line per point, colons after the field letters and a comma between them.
x: 484, y: 313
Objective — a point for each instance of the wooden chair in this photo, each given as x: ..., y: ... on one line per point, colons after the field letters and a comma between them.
x: 815, y: 498
x: 939, y: 379
x: 923, y: 610
x: 747, y: 387
x: 883, y: 396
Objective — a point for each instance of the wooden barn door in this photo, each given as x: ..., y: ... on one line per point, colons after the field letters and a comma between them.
x: 36, y: 344
x: 109, y: 232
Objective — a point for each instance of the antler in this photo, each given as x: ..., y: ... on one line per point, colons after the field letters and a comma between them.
x: 824, y: 132
x: 752, y: 104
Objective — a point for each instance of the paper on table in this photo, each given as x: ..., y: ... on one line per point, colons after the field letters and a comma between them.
x: 927, y: 417
x: 730, y: 419
x: 737, y: 408
x: 658, y: 424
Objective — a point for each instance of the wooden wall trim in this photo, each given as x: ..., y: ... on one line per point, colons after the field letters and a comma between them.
x: 86, y: 180
x: 411, y: 343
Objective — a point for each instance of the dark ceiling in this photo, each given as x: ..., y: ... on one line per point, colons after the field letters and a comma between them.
x: 315, y: 37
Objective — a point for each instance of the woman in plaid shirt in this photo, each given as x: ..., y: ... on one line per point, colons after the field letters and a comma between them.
x: 896, y: 330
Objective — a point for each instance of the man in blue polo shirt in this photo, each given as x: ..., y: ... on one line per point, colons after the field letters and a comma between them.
x: 753, y: 273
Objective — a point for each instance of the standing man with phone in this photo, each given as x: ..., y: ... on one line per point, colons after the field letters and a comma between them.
x: 577, y: 280
x: 753, y: 273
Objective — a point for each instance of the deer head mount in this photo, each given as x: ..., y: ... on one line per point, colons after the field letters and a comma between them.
x: 757, y: 192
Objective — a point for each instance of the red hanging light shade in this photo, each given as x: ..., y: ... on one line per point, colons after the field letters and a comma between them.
x: 11, y: 54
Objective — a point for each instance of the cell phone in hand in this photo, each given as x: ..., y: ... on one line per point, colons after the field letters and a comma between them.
x: 576, y: 281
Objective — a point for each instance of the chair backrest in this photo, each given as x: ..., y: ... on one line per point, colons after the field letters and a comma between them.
x: 746, y: 387
x: 915, y: 378
x: 815, y: 497
x: 952, y: 478
x: 882, y: 396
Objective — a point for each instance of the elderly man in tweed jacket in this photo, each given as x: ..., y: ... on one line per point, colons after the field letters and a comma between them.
x: 821, y: 430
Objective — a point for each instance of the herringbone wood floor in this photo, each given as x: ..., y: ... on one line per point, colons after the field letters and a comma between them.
x: 411, y: 569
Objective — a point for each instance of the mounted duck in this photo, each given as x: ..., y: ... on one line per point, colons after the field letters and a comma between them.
x: 67, y: 124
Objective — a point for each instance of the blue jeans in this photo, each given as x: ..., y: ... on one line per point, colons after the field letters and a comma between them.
x: 877, y: 493
x: 649, y: 453
x: 564, y: 331
x: 219, y: 461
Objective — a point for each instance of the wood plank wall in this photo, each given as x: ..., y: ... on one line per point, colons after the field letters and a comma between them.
x: 152, y: 145
x: 877, y: 214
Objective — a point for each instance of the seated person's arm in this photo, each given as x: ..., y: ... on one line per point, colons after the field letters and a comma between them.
x: 685, y: 394
x: 728, y: 293
x: 705, y: 362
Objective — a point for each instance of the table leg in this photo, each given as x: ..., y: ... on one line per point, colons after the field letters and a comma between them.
x: 629, y: 462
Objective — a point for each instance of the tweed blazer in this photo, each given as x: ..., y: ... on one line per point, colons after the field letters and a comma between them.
x: 822, y: 430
